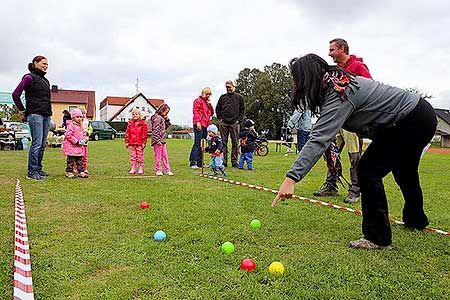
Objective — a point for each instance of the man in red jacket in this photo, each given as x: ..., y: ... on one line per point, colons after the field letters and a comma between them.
x: 339, y: 51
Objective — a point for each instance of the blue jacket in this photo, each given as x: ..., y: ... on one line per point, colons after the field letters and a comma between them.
x: 300, y: 120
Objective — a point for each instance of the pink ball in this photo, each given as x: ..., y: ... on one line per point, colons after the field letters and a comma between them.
x: 144, y: 205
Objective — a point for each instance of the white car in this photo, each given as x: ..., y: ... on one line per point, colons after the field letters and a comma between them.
x: 15, y: 130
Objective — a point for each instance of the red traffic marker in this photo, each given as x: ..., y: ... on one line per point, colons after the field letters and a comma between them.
x: 144, y: 205
x: 248, y: 265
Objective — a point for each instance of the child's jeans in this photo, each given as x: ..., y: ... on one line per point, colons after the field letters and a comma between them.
x: 246, y: 157
x: 74, y: 160
x: 217, y: 163
x: 161, y: 152
x: 136, y: 154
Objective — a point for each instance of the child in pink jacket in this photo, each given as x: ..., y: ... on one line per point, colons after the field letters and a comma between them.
x: 136, y: 140
x: 160, y: 122
x: 74, y: 140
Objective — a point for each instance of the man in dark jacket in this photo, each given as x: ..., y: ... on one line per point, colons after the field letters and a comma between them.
x: 230, y: 112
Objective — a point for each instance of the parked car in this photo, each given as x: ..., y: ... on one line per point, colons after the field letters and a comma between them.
x: 14, y: 130
x: 102, y: 130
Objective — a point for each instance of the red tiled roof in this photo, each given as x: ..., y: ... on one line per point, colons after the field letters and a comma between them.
x: 74, y: 96
x: 112, y: 100
x: 150, y: 101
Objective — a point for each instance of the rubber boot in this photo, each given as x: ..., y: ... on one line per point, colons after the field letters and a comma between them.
x: 133, y: 168
x: 140, y: 170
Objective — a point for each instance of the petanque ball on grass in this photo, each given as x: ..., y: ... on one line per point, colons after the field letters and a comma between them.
x: 144, y: 205
x: 276, y: 268
x: 227, y: 248
x: 248, y: 265
x: 159, y: 235
x: 255, y: 224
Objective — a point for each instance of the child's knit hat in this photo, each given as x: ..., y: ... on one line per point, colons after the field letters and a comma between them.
x: 212, y: 128
x: 75, y: 113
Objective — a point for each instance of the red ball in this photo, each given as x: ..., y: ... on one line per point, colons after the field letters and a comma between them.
x: 144, y: 205
x: 248, y: 265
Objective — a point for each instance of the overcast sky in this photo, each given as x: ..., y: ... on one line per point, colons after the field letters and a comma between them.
x: 176, y: 48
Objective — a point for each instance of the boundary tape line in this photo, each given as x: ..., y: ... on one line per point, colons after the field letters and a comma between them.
x: 23, y: 282
x: 342, y: 208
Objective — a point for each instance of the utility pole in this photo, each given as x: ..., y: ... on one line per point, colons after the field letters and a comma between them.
x: 137, y: 85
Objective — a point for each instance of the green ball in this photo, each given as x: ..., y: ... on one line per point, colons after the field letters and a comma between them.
x: 255, y: 224
x: 227, y: 248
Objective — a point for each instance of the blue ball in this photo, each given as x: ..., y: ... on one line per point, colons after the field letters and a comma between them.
x: 159, y: 235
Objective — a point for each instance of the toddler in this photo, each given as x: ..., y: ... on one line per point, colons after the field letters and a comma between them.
x: 74, y: 140
x: 215, y: 149
x: 136, y: 140
x: 160, y: 122
x: 248, y: 146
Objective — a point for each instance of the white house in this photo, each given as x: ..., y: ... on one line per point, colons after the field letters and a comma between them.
x: 118, y: 109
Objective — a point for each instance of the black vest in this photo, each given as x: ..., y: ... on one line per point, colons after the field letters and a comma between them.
x: 37, y: 96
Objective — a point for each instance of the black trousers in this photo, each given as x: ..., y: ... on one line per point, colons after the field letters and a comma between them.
x: 398, y: 150
x: 233, y: 131
x: 72, y: 161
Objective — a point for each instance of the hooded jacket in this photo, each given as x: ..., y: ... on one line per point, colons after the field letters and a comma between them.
x: 202, y: 112
x: 74, y: 134
x: 356, y: 66
x: 136, y: 133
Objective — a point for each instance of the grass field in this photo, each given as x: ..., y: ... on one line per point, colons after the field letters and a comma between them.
x: 90, y: 240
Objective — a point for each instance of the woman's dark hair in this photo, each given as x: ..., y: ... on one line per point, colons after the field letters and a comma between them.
x: 309, y: 87
x: 35, y: 60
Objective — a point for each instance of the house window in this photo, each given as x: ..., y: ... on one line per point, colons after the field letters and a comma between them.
x: 122, y: 119
x: 143, y: 108
x: 72, y: 107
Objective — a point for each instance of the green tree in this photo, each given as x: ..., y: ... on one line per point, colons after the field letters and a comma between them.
x: 10, y: 112
x: 266, y: 95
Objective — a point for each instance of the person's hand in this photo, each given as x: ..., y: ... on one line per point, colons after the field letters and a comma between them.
x: 285, y: 192
x: 199, y: 126
x: 22, y: 116
x: 144, y: 145
x: 159, y: 143
x: 217, y: 151
x: 126, y: 146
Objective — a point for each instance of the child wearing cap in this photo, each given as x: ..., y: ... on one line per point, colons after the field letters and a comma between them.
x: 215, y: 150
x: 74, y: 140
x: 248, y: 146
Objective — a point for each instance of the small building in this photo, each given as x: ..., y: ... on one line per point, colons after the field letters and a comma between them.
x: 62, y: 99
x: 118, y: 109
x: 443, y: 126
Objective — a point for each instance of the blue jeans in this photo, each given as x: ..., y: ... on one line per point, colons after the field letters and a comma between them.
x: 247, y: 157
x: 196, y: 152
x: 302, y: 138
x: 217, y: 163
x: 39, y: 127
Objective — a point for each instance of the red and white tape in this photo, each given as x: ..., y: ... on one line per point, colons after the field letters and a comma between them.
x: 23, y: 283
x: 343, y: 208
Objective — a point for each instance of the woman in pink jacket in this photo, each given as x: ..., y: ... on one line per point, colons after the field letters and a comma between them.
x: 74, y: 140
x: 203, y: 111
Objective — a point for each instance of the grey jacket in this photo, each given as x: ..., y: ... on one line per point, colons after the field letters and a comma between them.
x: 373, y: 107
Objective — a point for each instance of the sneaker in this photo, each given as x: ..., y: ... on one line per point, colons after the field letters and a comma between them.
x: 194, y: 167
x: 169, y: 173
x: 366, y: 244
x: 326, y: 190
x: 351, y: 198
x: 43, y: 174
x: 70, y: 175
x: 83, y: 175
x: 35, y: 176
x: 159, y: 173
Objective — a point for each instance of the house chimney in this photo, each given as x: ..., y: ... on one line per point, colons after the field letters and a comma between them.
x: 54, y: 88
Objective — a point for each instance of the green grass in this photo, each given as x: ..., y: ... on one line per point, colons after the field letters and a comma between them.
x: 90, y: 240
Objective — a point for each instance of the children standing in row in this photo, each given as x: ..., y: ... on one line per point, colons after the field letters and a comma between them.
x: 248, y: 146
x: 74, y: 141
x: 160, y: 122
x: 136, y: 140
x: 215, y: 149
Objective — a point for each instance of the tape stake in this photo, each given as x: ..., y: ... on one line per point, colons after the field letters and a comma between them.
x: 335, y: 206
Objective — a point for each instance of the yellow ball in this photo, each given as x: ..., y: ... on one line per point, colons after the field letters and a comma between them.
x: 276, y: 268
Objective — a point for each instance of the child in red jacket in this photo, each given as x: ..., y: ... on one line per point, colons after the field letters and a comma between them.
x: 135, y: 140
x: 160, y: 122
